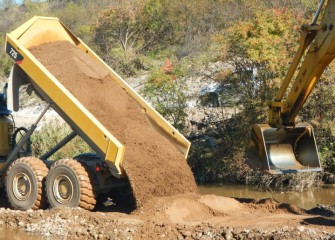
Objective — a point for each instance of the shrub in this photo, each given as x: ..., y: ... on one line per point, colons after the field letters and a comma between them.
x: 52, y: 133
x: 166, y: 94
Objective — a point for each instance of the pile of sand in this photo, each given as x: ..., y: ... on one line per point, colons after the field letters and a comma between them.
x: 154, y: 166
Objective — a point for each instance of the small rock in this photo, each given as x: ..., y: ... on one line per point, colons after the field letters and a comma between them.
x: 186, y: 233
x: 206, y: 237
x: 251, y: 235
x: 301, y: 228
x: 180, y: 237
x: 21, y: 224
x: 195, y: 236
x: 207, y: 73
x: 240, y: 236
x: 228, y: 236
x: 179, y: 227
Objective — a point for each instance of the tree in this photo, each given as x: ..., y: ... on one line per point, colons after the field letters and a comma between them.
x: 117, y: 33
x: 259, y: 51
x: 6, y: 4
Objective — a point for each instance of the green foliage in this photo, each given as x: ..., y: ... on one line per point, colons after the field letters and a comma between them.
x: 318, y: 111
x: 52, y: 133
x: 167, y: 97
x: 119, y: 37
x: 257, y: 49
x: 265, y: 42
x: 5, y: 62
x: 33, y: 8
x: 157, y: 29
x: 72, y: 15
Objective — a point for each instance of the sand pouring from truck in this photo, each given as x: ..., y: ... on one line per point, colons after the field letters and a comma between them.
x: 132, y: 142
x: 282, y: 146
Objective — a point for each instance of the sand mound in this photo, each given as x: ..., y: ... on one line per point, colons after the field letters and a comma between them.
x: 154, y: 166
x: 223, y: 205
x: 192, y: 209
x: 184, y: 210
x: 202, y: 208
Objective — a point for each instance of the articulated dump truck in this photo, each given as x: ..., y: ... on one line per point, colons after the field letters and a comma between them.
x: 34, y: 182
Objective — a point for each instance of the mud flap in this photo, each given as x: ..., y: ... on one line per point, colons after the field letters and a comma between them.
x: 285, y: 150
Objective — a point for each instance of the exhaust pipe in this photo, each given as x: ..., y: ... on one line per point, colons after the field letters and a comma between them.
x: 284, y: 150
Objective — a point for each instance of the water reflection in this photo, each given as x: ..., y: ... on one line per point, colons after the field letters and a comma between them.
x: 15, y: 234
x: 307, y: 199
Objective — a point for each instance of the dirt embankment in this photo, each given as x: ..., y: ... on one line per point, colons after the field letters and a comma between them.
x: 154, y: 166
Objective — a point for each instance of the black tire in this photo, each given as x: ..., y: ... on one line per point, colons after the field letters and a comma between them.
x: 68, y: 185
x: 24, y: 184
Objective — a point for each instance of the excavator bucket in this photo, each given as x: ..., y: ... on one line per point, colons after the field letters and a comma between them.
x: 284, y: 150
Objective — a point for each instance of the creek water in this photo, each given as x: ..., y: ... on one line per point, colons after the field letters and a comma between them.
x: 306, y: 200
x: 15, y: 234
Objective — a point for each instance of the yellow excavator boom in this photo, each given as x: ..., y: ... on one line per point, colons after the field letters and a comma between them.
x: 282, y: 145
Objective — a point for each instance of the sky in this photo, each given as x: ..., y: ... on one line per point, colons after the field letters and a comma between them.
x: 16, y: 1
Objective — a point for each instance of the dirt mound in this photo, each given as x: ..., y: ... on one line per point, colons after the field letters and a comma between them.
x: 272, y: 205
x: 192, y: 209
x: 222, y: 205
x: 185, y: 210
x: 154, y: 166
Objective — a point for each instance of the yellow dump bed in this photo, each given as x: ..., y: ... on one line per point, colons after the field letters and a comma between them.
x: 39, y: 30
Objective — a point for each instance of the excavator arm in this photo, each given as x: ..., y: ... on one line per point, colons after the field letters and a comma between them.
x: 282, y: 146
x: 320, y: 42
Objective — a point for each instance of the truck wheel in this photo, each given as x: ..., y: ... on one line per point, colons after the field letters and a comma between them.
x: 68, y: 185
x: 24, y: 184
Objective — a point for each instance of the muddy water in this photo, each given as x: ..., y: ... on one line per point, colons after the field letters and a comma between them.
x: 305, y: 200
x: 15, y: 234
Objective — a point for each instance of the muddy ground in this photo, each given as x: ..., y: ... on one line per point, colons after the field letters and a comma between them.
x: 178, y: 217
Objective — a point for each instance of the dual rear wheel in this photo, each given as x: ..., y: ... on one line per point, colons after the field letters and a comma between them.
x: 30, y: 185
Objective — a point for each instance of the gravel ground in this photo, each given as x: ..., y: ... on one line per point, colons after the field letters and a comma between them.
x: 180, y: 217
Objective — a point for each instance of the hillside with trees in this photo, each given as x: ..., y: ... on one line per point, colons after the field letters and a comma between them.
x: 255, y: 39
